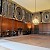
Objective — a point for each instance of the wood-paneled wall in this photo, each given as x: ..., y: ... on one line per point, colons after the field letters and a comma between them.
x: 11, y: 24
x: 44, y: 28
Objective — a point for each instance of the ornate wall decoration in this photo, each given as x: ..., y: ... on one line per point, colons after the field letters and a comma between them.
x: 23, y: 14
x: 46, y: 17
x: 5, y: 8
x: 19, y: 13
x: 27, y: 17
x: 30, y: 17
x: 11, y: 10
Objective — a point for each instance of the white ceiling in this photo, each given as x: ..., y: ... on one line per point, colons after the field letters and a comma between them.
x: 30, y: 4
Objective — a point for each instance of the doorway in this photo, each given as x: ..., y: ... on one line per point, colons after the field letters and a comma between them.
x: 36, y: 29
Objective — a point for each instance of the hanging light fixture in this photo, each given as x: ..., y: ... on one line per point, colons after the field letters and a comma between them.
x: 35, y: 20
x: 35, y: 6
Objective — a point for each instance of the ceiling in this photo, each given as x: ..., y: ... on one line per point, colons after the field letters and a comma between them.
x: 30, y: 4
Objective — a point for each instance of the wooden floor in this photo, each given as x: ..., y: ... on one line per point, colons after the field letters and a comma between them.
x: 37, y: 40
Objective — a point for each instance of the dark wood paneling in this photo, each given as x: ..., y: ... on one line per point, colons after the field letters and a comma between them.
x: 11, y: 24
x: 0, y: 24
x: 44, y: 28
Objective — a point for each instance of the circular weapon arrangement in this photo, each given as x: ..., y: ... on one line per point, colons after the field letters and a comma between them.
x: 19, y: 13
x: 46, y: 17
